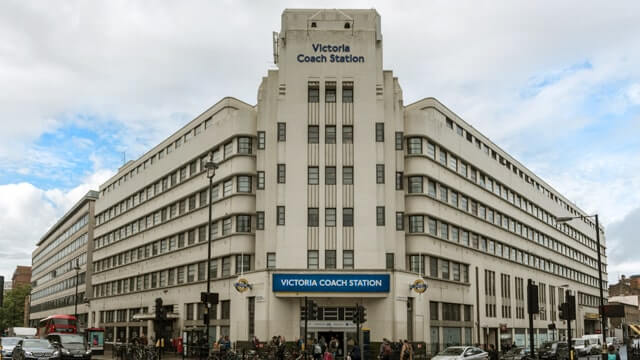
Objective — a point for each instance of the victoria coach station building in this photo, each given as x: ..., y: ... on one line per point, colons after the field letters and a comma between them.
x: 331, y: 188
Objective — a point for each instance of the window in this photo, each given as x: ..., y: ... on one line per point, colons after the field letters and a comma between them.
x: 330, y: 134
x: 433, y: 267
x: 312, y: 259
x: 347, y: 134
x: 415, y: 184
x: 444, y: 193
x: 379, y: 173
x: 260, y: 185
x: 347, y: 217
x: 414, y: 146
x: 313, y: 92
x: 399, y: 221
x: 228, y: 187
x: 347, y: 92
x: 399, y: 181
x: 379, y: 132
x: 243, y: 263
x: 431, y: 188
x: 399, y: 140
x: 313, y: 134
x: 390, y: 261
x: 330, y: 259
x: 431, y: 150
x: 450, y: 312
x: 347, y: 175
x: 225, y: 309
x: 282, y: 131
x: 280, y: 215
x: 313, y: 217
x: 261, y: 140
x: 243, y: 223
x: 444, y: 230
x: 347, y: 259
x: 455, y: 270
x: 330, y: 175
x: 433, y: 310
x: 444, y: 269
x: 282, y: 174
x: 244, y: 145
x: 380, y: 215
x: 228, y: 149
x: 330, y: 217
x: 416, y: 224
x: 226, y: 226
x: 244, y: 184
x: 226, y: 266
x: 260, y: 220
x: 432, y: 227
x: 271, y: 260
x: 330, y: 92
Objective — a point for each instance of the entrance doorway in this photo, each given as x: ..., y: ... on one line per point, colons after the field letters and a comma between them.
x: 339, y: 335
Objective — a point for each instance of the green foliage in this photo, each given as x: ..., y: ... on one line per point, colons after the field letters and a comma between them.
x: 12, y: 310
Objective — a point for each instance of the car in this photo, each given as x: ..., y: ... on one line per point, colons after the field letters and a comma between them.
x: 554, y: 351
x: 584, y: 347
x: 71, y: 346
x: 461, y: 352
x: 35, y: 349
x: 515, y: 353
x: 8, y: 343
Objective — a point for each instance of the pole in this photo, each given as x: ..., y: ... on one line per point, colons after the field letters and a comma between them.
x: 306, y: 323
x: 604, y: 319
x: 531, y: 338
x: 75, y: 311
x: 569, y: 327
x: 358, y: 328
x: 209, y: 263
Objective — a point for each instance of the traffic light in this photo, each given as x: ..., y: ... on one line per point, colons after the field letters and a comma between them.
x: 356, y: 315
x: 571, y: 304
x: 159, y: 308
x: 211, y: 298
x: 532, y: 298
x: 362, y: 314
x: 313, y: 310
x: 1, y: 289
x: 563, y: 311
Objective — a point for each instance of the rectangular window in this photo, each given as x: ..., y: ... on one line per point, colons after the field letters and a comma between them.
x: 455, y: 271
x: 431, y: 188
x: 244, y: 184
x: 444, y: 269
x: 443, y: 157
x: 330, y: 92
x: 243, y: 263
x: 399, y: 140
x: 313, y: 175
x: 433, y: 310
x: 431, y: 150
x: 347, y: 134
x: 313, y: 217
x: 347, y: 175
x: 228, y: 188
x: 313, y: 92
x: 271, y: 260
x: 228, y: 149
x: 399, y: 181
x: 260, y: 185
x: 380, y: 215
x: 416, y: 224
x: 312, y: 259
x: 415, y: 184
x: 330, y: 175
x: 347, y: 217
x: 226, y: 226
x: 347, y: 259
x: 282, y: 174
x: 330, y: 259
x: 432, y: 227
x: 399, y: 221
x: 433, y: 267
x: 379, y: 132
x: 280, y: 215
x: 245, y: 145
x: 330, y: 134
x: 260, y: 220
x: 414, y: 146
x: 282, y: 131
x: 444, y: 193
x: 226, y: 266
x: 390, y: 261
x: 243, y: 223
x: 261, y: 140
x: 379, y: 173
x: 444, y: 230
x: 313, y: 134
x: 347, y: 92
x: 330, y: 217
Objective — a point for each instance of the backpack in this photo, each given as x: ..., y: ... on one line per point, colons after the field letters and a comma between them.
x: 387, y: 349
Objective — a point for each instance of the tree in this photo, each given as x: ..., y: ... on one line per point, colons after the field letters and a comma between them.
x: 12, y: 310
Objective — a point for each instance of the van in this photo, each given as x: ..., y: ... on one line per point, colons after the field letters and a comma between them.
x: 595, y: 340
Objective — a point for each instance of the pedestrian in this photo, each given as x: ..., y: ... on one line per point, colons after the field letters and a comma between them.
x: 323, y: 344
x: 317, y: 350
x: 355, y: 352
x: 386, y: 350
x: 493, y: 354
x: 613, y: 354
x: 281, y: 348
x: 327, y: 355
x: 333, y: 346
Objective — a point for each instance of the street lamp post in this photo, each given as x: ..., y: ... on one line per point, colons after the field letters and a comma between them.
x: 211, y: 167
x: 601, y: 308
x: 77, y: 269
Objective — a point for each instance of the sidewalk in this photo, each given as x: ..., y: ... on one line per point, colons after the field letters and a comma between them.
x: 108, y: 355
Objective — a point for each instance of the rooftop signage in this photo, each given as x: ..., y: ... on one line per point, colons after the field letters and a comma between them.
x: 336, y: 54
x: 342, y: 283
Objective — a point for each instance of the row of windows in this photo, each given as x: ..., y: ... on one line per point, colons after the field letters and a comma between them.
x: 184, y: 274
x: 438, y: 228
x: 193, y: 168
x: 330, y: 95
x: 450, y: 311
x: 174, y: 242
x: 438, y: 268
x: 61, y: 254
x: 60, y: 239
x: 168, y: 212
x: 62, y: 269
x: 503, y: 161
x: 449, y: 196
x: 120, y: 315
x: 313, y: 259
x: 448, y: 160
x: 56, y: 288
x: 68, y: 300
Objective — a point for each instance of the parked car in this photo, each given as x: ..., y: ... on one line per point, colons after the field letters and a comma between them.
x: 35, y: 349
x: 8, y: 343
x: 461, y: 352
x: 71, y: 346
x: 554, y: 351
x: 584, y: 347
x: 515, y: 353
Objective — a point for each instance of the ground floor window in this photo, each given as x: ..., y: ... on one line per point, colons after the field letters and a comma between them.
x: 434, y: 347
x: 452, y: 336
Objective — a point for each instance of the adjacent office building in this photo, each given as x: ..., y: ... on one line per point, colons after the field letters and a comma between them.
x: 59, y: 269
x: 331, y: 188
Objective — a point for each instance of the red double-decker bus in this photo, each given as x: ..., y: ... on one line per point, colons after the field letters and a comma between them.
x: 67, y: 324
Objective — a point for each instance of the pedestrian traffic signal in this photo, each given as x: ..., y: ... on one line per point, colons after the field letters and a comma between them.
x: 532, y: 298
x: 356, y: 316
x: 158, y: 308
x: 362, y: 314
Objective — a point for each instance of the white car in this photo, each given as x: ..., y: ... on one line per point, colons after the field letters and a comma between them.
x: 461, y: 353
x: 584, y: 347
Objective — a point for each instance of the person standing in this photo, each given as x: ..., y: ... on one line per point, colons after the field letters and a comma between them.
x: 355, y: 352
x: 612, y: 354
x: 493, y: 354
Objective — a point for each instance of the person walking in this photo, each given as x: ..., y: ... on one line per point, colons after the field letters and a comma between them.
x: 355, y: 352
x: 317, y: 350
x: 612, y: 354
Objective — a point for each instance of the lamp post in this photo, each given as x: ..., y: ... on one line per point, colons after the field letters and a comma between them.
x: 601, y: 308
x: 77, y: 269
x: 211, y: 167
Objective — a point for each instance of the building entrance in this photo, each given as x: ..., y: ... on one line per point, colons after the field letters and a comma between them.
x: 339, y: 335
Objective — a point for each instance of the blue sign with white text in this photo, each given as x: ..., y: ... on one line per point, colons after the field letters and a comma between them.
x: 372, y: 283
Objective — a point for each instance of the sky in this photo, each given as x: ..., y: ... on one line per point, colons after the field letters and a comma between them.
x: 86, y: 85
